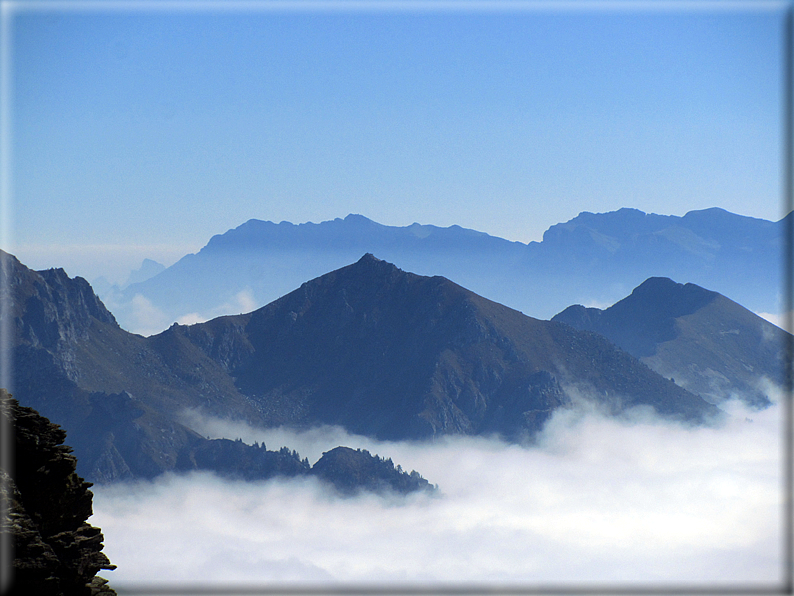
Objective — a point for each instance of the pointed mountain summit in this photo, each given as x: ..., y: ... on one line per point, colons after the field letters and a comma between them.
x: 709, y: 344
x: 395, y: 355
x: 147, y: 270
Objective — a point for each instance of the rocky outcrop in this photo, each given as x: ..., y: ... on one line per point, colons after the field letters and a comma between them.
x: 45, y: 508
x: 352, y: 470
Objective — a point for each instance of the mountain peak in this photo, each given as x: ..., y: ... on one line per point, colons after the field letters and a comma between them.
x: 369, y: 258
x: 712, y: 345
x: 370, y: 264
x: 654, y: 285
x: 355, y: 218
x: 664, y: 295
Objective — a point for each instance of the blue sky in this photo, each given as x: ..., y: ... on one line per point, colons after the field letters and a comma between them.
x: 139, y: 132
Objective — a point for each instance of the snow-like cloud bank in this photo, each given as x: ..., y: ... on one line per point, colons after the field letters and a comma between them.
x: 599, y: 500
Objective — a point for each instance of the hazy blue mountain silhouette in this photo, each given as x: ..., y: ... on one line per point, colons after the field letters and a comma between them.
x: 708, y: 343
x: 591, y: 259
x: 147, y: 270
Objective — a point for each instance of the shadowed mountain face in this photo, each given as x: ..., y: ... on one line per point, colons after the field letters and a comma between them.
x: 117, y: 394
x: 260, y: 261
x: 706, y: 342
x: 395, y: 355
x: 372, y: 348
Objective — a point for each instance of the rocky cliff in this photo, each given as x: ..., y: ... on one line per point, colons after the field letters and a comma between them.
x: 45, y: 508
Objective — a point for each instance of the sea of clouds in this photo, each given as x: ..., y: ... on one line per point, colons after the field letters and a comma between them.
x: 634, y: 501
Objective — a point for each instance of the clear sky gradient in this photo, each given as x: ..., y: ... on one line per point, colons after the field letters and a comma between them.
x: 139, y: 132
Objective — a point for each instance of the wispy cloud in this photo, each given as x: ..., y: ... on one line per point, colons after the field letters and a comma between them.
x: 148, y: 319
x: 598, y: 500
x: 191, y: 318
x: 779, y: 319
x: 243, y: 302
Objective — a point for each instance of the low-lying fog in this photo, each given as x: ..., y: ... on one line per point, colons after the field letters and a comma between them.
x: 598, y: 500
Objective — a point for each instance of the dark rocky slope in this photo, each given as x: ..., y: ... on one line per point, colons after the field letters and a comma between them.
x: 117, y: 394
x: 394, y: 355
x: 706, y: 342
x: 45, y: 508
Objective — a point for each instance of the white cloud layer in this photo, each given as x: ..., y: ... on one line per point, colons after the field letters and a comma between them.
x: 598, y: 500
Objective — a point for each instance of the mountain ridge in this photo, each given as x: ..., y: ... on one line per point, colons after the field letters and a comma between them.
x: 454, y: 352
x: 712, y: 345
x: 258, y: 261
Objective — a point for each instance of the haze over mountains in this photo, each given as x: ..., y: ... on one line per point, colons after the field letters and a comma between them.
x: 591, y: 259
x: 369, y: 347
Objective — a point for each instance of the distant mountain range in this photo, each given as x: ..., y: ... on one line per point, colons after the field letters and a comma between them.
x: 374, y: 349
x: 591, y: 259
